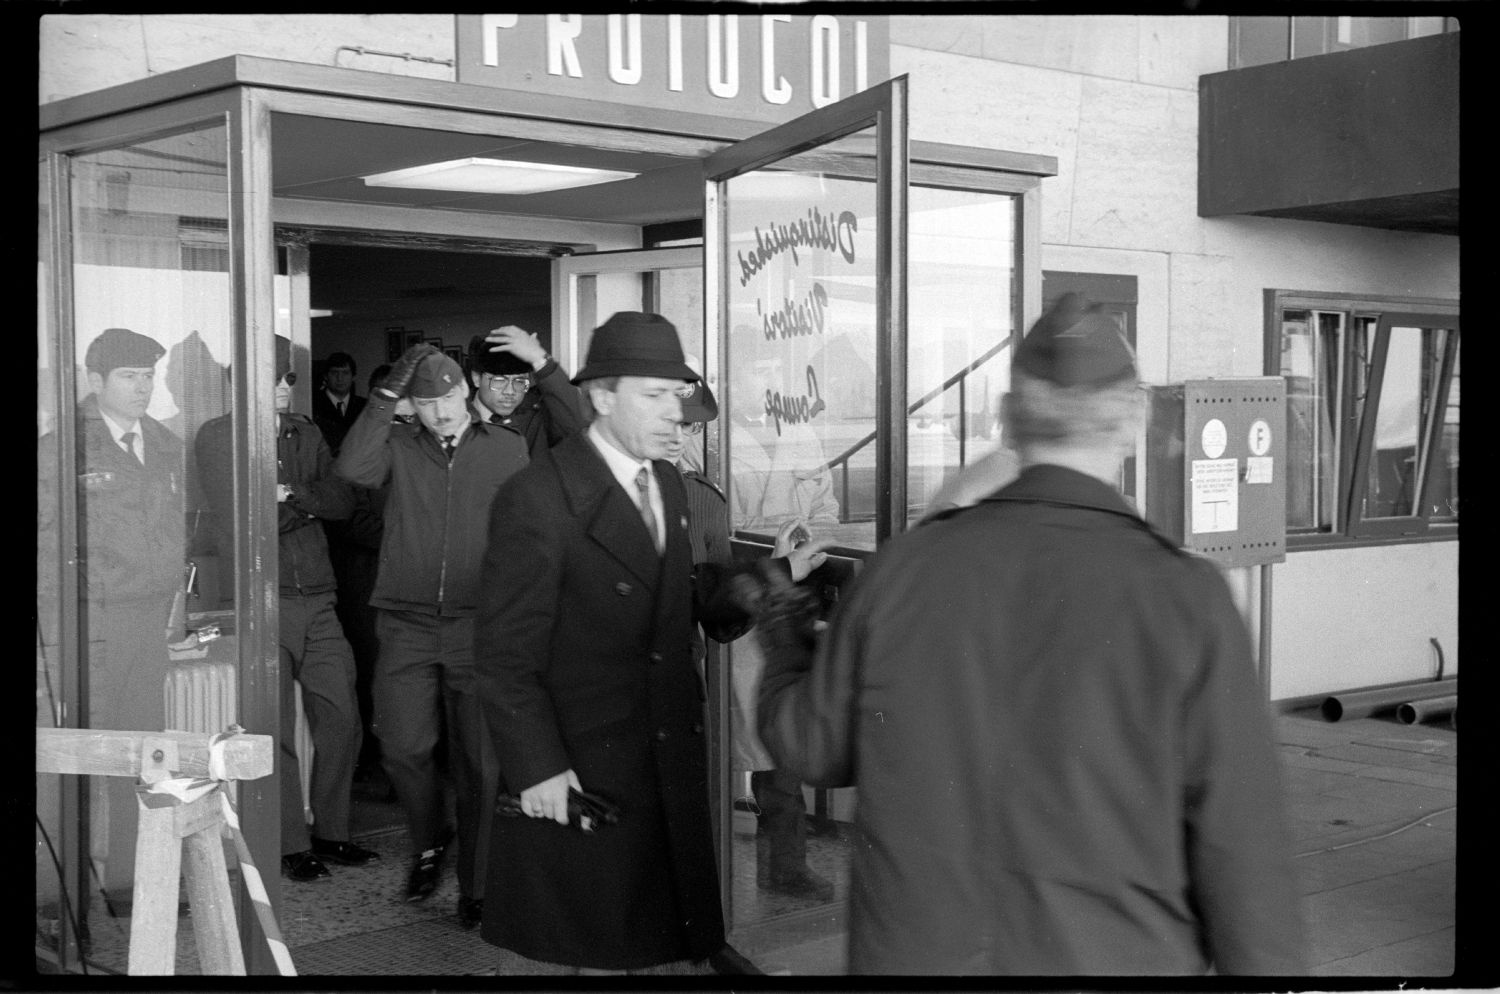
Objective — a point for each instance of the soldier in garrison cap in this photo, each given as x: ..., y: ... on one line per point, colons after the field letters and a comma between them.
x: 519, y: 385
x: 131, y: 515
x: 441, y: 472
x: 1064, y: 762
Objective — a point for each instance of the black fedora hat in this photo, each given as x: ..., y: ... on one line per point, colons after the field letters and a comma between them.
x: 634, y: 343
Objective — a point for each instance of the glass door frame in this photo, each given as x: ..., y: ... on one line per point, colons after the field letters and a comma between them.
x: 568, y: 270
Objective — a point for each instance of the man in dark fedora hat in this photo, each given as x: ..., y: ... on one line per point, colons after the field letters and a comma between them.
x: 586, y: 669
x: 1064, y: 763
x: 518, y: 384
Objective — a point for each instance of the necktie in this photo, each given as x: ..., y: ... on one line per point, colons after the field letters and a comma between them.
x: 128, y: 439
x: 643, y: 484
x: 449, y: 444
x: 341, y: 408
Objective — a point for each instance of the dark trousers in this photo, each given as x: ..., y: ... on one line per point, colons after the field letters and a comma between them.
x: 315, y: 654
x: 424, y: 686
x: 128, y: 664
x: 783, y: 820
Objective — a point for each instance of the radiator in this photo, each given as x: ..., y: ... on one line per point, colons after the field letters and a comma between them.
x: 200, y: 696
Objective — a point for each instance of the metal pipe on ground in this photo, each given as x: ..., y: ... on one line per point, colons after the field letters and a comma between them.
x: 1363, y: 703
x: 1428, y: 709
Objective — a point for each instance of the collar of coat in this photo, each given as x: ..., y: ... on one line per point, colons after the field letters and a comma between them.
x: 610, y: 517
x: 1047, y: 484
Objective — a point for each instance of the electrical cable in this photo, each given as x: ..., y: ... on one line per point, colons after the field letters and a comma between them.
x: 62, y: 890
x: 1384, y: 835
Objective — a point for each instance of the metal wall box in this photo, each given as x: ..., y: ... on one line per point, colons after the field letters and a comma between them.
x: 1216, y: 467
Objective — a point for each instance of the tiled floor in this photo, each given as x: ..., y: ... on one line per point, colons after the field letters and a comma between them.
x: 1373, y: 807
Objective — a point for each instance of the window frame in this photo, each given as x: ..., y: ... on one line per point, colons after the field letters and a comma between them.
x: 1355, y: 434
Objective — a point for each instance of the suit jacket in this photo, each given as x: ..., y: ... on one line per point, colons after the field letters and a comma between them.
x: 1064, y: 762
x: 333, y: 424
x: 583, y: 660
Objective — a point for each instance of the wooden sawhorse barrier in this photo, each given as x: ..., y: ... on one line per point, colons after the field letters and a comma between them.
x: 167, y: 824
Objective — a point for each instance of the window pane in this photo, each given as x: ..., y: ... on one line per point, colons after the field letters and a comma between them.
x: 961, y: 297
x: 1444, y: 488
x: 150, y: 264
x: 1309, y: 36
x: 1360, y: 32
x: 1393, y: 469
x: 1310, y: 350
x: 1260, y: 40
x: 801, y: 402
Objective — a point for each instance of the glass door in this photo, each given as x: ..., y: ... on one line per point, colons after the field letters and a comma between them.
x: 805, y: 263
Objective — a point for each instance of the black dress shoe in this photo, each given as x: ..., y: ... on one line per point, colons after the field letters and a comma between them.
x: 470, y: 911
x: 425, y: 869
x: 304, y: 866
x: 346, y: 853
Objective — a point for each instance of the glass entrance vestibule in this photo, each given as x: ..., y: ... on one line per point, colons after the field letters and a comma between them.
x: 850, y: 295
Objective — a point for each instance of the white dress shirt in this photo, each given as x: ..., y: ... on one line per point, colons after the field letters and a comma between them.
x: 625, y: 469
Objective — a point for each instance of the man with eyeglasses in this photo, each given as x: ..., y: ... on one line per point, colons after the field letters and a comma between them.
x: 517, y: 384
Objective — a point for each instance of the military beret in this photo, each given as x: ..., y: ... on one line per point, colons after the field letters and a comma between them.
x: 283, y: 356
x: 1075, y: 344
x: 700, y: 405
x: 482, y: 360
x: 116, y: 347
x: 436, y: 374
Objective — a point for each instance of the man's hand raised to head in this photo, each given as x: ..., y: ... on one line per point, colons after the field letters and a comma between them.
x: 399, y: 378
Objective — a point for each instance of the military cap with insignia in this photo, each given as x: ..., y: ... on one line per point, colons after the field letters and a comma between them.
x: 435, y: 375
x: 1076, y: 344
x: 120, y: 347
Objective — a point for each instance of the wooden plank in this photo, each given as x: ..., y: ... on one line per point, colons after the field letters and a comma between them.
x: 153, y: 918
x: 203, y: 815
x: 102, y: 752
x: 214, y: 925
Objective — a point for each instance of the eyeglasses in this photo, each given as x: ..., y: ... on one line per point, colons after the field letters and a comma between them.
x: 520, y: 383
x: 691, y: 427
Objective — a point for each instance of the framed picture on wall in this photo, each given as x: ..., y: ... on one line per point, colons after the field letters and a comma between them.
x: 413, y: 338
x: 395, y: 343
x: 436, y: 343
x: 455, y: 353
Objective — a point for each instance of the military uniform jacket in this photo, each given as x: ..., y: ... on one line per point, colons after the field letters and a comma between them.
x: 582, y: 657
x: 437, y: 513
x: 1064, y: 762
x: 132, y: 516
x: 304, y: 463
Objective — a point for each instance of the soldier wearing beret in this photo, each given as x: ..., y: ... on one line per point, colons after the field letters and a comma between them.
x: 441, y: 471
x: 314, y: 650
x: 132, y: 525
x: 519, y: 385
x: 1064, y: 762
x: 583, y: 649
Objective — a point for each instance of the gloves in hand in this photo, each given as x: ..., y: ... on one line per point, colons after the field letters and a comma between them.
x: 399, y: 378
x: 786, y: 623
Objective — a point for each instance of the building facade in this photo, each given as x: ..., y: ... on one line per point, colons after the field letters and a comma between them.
x: 849, y: 218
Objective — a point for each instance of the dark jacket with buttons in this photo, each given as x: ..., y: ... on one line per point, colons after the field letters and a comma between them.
x: 303, y: 463
x: 583, y: 657
x: 436, y: 515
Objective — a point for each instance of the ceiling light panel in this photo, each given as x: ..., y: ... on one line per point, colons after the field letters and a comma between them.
x: 478, y: 175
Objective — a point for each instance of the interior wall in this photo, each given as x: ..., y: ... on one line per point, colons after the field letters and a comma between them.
x: 444, y: 296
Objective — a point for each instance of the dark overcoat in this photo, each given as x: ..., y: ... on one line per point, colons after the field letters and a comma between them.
x: 1064, y: 761
x: 584, y: 662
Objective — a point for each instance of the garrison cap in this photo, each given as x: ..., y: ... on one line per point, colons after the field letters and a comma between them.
x: 435, y: 375
x: 482, y: 360
x: 117, y: 347
x: 1075, y: 344
x: 635, y: 343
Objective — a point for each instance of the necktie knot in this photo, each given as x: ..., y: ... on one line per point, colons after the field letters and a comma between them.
x: 449, y: 444
x: 128, y: 440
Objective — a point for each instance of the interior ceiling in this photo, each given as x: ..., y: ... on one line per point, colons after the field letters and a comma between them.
x: 317, y: 158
